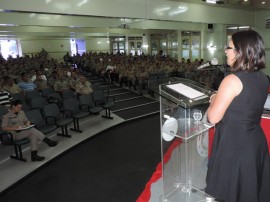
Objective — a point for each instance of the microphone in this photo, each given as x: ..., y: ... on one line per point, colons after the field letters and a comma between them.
x: 214, y: 61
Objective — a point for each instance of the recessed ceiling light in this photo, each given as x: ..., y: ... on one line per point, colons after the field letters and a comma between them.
x: 263, y: 2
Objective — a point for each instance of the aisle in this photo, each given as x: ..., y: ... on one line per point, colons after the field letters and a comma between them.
x: 112, y: 166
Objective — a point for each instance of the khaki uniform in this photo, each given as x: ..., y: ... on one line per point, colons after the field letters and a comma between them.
x: 84, y: 89
x: 41, y: 84
x: 142, y: 79
x: 59, y: 85
x: 11, y: 119
x: 12, y: 89
x: 73, y: 82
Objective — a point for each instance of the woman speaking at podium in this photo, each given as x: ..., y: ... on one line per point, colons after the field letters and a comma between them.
x: 239, y: 165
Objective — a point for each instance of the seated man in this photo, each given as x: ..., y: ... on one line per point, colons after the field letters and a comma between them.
x: 15, y: 120
x: 83, y: 87
x: 74, y: 80
x: 26, y: 85
x: 40, y: 74
x: 61, y: 84
x: 10, y: 86
x: 40, y: 82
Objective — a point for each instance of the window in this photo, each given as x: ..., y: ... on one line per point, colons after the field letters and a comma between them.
x: 191, y: 44
x: 165, y: 43
x: 135, y: 45
x: 118, y: 44
x: 9, y: 48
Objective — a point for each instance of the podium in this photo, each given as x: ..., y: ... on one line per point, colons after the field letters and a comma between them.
x: 184, y: 141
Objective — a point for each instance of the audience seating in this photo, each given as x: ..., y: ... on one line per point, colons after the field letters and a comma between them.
x: 58, y: 98
x: 52, y: 115
x: 38, y: 102
x: 87, y: 104
x: 18, y: 96
x: 56, y: 95
x: 35, y: 117
x: 45, y: 92
x: 29, y: 95
x: 71, y: 108
x: 106, y: 102
x: 18, y: 149
x: 68, y: 93
x: 97, y: 87
x: 21, y: 97
x: 16, y: 143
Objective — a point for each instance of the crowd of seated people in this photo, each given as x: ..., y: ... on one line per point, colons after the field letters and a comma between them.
x: 131, y: 70
x: 134, y: 70
x: 24, y: 74
x: 27, y: 73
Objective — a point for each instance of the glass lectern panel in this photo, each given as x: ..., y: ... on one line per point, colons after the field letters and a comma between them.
x: 184, y: 134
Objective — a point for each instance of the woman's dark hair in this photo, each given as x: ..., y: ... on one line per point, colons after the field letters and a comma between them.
x: 250, y: 52
x: 16, y: 103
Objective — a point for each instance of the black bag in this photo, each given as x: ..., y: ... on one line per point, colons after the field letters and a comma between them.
x: 55, y: 100
x: 6, y: 138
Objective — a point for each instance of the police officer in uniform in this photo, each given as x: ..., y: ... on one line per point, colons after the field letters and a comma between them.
x: 15, y: 120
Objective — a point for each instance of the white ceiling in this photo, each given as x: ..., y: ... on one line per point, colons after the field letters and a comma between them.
x: 95, y: 25
x: 242, y: 4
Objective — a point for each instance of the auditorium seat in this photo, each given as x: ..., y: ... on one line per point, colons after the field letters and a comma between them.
x: 71, y: 108
x: 53, y: 115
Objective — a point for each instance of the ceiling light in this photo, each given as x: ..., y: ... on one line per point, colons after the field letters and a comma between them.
x: 263, y: 2
x: 214, y: 1
x: 211, y: 1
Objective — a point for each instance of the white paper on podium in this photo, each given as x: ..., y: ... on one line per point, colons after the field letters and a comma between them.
x: 187, y: 91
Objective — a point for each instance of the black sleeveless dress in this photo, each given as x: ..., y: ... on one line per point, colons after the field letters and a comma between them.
x: 239, y: 165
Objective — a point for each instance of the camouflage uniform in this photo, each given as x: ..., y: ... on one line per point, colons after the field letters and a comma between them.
x: 61, y: 85
x: 40, y: 84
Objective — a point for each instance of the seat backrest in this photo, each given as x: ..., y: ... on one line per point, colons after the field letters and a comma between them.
x: 3, y: 110
x: 38, y: 102
x: 56, y: 95
x: 35, y: 117
x: 45, y: 92
x: 71, y: 104
x: 55, y: 98
x: 66, y: 94
x: 96, y: 87
x: 32, y: 94
x: 18, y: 96
x: 99, y: 98
x: 51, y: 110
x: 5, y: 137
x: 86, y: 100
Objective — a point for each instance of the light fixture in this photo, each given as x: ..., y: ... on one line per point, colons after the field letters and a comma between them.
x: 214, y: 1
x: 211, y: 1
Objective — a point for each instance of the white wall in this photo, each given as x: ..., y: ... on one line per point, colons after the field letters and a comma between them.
x: 56, y: 48
x: 213, y: 42
x: 98, y: 45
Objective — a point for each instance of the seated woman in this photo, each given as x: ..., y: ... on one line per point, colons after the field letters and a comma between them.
x: 15, y: 120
